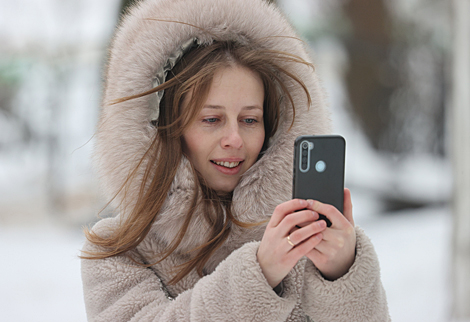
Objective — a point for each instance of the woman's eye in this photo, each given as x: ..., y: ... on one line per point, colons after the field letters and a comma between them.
x: 250, y: 121
x: 210, y: 120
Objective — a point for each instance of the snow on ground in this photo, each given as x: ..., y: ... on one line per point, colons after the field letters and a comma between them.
x: 40, y: 272
x: 414, y: 249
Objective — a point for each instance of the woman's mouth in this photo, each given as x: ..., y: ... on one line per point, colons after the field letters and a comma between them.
x: 227, y: 164
x: 227, y: 167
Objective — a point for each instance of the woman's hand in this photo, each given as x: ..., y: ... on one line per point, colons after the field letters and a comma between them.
x: 276, y: 255
x: 335, y: 253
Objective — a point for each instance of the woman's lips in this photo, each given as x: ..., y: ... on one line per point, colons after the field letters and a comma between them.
x: 228, y: 166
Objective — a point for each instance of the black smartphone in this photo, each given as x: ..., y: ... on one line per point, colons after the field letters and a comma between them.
x: 319, y: 169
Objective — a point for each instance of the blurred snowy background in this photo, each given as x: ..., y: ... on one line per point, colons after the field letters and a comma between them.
x: 387, y: 69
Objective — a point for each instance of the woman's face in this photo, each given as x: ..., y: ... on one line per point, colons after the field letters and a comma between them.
x: 227, y: 136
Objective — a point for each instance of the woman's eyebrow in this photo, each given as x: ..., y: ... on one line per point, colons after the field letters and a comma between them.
x: 253, y: 107
x: 219, y: 107
x: 215, y: 107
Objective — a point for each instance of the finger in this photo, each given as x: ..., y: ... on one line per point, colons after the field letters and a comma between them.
x: 295, y: 219
x: 330, y: 246
x: 305, y: 247
x: 334, y: 242
x: 286, y: 208
x: 302, y: 234
x: 334, y: 215
x: 348, y: 211
x: 317, y: 217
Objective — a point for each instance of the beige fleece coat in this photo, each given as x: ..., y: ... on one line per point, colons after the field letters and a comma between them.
x: 233, y: 288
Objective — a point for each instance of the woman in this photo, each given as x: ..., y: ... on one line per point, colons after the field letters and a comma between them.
x: 202, y: 106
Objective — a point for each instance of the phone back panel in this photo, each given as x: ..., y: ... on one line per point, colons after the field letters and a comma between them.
x: 322, y: 178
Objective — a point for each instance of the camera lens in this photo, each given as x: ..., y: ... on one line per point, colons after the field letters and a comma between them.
x: 320, y: 166
x: 304, y: 152
x: 304, y: 145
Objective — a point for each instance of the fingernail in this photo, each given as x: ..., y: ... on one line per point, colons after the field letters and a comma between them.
x: 310, y: 202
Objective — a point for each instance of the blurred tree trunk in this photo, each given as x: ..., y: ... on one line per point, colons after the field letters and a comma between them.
x: 370, y: 79
x: 396, y: 82
x: 461, y: 161
x: 56, y: 185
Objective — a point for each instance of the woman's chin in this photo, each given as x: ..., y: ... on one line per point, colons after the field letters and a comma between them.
x: 224, y: 187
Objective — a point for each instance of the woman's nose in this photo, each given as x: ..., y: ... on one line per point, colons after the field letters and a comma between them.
x: 231, y: 137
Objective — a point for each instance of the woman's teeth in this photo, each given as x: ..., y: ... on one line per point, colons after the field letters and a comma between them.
x: 227, y: 164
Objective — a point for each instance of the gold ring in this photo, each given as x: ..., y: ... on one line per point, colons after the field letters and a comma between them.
x: 290, y: 242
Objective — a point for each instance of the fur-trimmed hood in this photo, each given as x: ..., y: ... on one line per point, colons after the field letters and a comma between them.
x: 151, y: 32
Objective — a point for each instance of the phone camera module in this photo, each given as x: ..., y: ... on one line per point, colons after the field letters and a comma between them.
x: 304, y: 156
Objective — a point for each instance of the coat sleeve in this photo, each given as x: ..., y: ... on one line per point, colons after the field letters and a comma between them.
x: 117, y: 289
x: 356, y: 296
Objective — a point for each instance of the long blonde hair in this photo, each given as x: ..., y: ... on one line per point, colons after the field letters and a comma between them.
x: 195, y: 72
